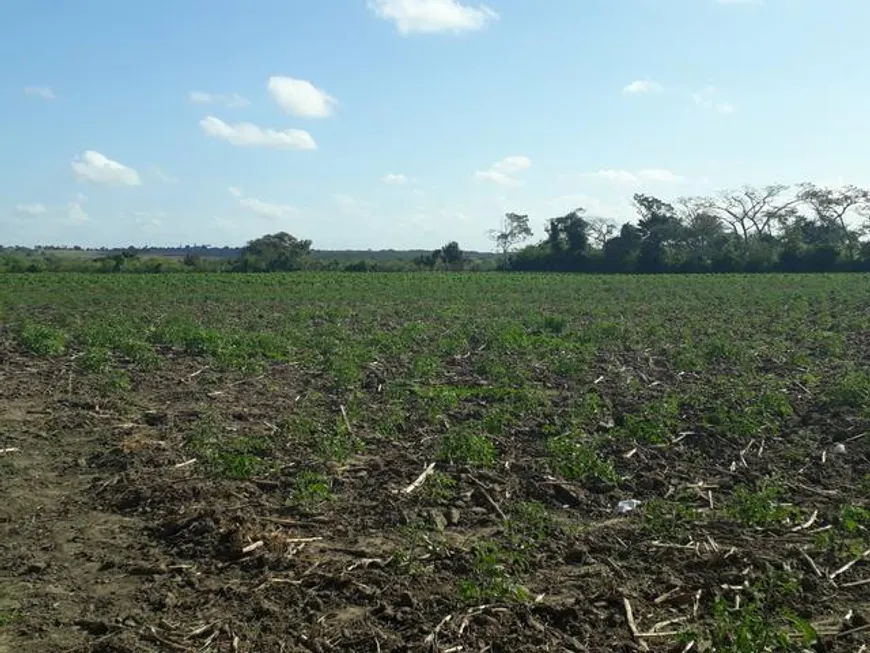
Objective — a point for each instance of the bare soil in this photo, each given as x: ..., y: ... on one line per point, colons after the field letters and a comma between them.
x: 115, y: 540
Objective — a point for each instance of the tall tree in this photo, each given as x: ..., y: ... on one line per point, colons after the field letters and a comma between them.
x: 749, y: 211
x: 514, y: 230
x: 274, y: 253
x: 568, y: 233
x: 600, y: 230
x: 830, y: 208
x: 659, y: 227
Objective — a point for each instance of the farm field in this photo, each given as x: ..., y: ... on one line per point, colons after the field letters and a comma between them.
x: 231, y: 463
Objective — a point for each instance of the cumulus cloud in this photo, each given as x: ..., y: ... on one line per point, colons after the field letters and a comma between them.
x: 350, y: 203
x: 249, y: 134
x: 395, y: 179
x: 75, y: 212
x: 99, y: 169
x: 503, y: 172
x: 430, y: 16
x: 231, y: 101
x: 261, y: 208
x: 640, y: 86
x: 162, y: 176
x: 301, y: 98
x: 30, y: 209
x: 708, y: 98
x: 40, y: 91
x: 628, y: 177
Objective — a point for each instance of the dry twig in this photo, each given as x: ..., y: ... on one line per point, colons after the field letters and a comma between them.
x: 420, y: 479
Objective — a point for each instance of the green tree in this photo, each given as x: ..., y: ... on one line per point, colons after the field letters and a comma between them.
x: 830, y: 209
x: 514, y: 230
x: 278, y: 252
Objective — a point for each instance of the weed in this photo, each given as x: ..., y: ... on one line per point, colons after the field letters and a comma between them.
x: 311, y: 489
x: 576, y: 460
x: 466, y: 448
x: 666, y: 519
x: 854, y: 519
x: 761, y: 507
x: 655, y: 422
x: 529, y: 523
x: 227, y: 455
x: 439, y: 488
x: 850, y: 391
x: 491, y: 576
x: 42, y: 340
x: 746, y: 630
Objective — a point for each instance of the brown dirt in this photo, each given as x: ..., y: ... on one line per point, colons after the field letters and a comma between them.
x: 110, y: 543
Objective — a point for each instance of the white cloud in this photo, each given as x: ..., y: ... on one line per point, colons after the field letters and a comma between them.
x: 429, y: 16
x: 618, y: 176
x: 658, y: 174
x: 301, y: 98
x: 74, y: 210
x: 641, y: 86
x: 99, y: 169
x: 350, y: 203
x: 149, y: 219
x: 40, y: 91
x: 262, y: 208
x: 708, y: 98
x: 163, y: 176
x: 30, y: 209
x: 628, y: 177
x: 502, y: 172
x: 395, y: 179
x: 248, y: 134
x: 232, y: 101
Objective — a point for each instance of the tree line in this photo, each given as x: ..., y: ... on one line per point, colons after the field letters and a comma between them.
x: 803, y: 228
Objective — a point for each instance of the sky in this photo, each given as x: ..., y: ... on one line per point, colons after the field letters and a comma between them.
x: 409, y: 123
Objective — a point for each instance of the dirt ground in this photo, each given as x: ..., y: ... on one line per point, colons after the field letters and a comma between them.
x: 115, y: 540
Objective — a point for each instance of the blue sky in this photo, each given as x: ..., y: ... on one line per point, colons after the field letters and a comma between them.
x: 407, y: 123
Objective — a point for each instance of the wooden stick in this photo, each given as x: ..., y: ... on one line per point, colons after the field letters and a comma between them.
x: 489, y: 498
x: 253, y: 546
x: 811, y: 562
x: 346, y: 420
x: 807, y: 523
x: 420, y: 479
x: 629, y: 617
x: 849, y: 565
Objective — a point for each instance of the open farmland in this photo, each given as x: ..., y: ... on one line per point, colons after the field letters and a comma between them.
x: 226, y: 463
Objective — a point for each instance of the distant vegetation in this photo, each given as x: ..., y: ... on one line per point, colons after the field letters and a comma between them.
x: 804, y: 228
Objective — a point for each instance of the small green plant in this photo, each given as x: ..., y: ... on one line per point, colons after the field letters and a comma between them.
x: 666, y: 519
x: 439, y: 488
x: 555, y: 324
x: 761, y: 507
x: 577, y: 460
x: 850, y: 391
x: 42, y: 340
x: 655, y: 423
x: 96, y: 359
x: 747, y: 630
x: 311, y: 488
x: 465, y: 448
x: 491, y: 575
x: 854, y: 519
x: 227, y: 455
x: 529, y: 523
x: 7, y: 618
